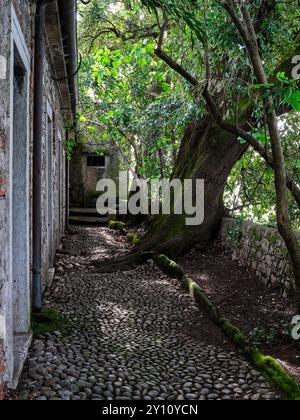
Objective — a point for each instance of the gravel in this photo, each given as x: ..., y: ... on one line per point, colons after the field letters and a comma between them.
x: 127, y: 337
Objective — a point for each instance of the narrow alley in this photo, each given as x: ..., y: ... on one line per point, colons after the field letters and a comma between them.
x: 133, y: 335
x: 164, y: 132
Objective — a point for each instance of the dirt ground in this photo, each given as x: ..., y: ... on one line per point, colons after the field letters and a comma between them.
x: 262, y: 313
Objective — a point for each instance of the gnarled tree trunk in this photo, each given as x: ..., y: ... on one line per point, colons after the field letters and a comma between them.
x: 207, y: 152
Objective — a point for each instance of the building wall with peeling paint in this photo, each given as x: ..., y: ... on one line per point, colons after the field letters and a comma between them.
x: 4, y: 167
x: 25, y: 15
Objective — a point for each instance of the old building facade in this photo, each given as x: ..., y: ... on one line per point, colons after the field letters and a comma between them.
x: 91, y: 163
x: 38, y: 94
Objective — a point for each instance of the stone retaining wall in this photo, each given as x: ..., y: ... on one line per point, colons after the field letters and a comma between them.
x: 260, y: 248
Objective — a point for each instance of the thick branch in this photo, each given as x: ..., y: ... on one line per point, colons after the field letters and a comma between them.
x: 177, y: 67
x: 239, y: 132
x: 162, y: 33
x: 282, y: 205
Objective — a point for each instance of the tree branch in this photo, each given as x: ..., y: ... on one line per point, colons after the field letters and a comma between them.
x: 177, y: 67
x: 162, y: 32
x: 237, y: 131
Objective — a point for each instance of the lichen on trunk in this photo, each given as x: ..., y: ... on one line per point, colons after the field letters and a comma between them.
x: 207, y: 152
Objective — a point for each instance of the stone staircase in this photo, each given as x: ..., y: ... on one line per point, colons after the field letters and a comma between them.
x: 86, y: 216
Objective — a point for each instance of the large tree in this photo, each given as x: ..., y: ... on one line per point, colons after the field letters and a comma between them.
x: 239, y: 65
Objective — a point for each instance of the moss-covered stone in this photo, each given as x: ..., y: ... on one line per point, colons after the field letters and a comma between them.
x: 273, y: 239
x: 186, y: 283
x: 235, y: 334
x: 169, y: 267
x: 116, y: 225
x: 268, y: 366
x: 47, y: 321
x: 203, y: 300
x: 134, y: 239
x: 275, y: 373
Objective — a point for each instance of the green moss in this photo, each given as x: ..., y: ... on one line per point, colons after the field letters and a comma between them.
x: 234, y: 334
x: 255, y: 234
x: 204, y: 301
x: 134, y: 239
x: 169, y: 267
x: 275, y: 373
x: 273, y: 239
x: 116, y: 225
x: 268, y: 366
x: 47, y: 321
x: 186, y: 283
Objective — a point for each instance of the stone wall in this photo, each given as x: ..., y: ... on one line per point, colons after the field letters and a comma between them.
x: 4, y: 175
x: 9, y: 313
x: 261, y: 249
x: 56, y: 145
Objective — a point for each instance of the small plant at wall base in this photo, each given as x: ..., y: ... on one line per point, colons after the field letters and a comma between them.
x: 47, y: 321
x: 235, y: 234
x: 260, y: 335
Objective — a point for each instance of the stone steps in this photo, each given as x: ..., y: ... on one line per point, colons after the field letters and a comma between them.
x: 86, y: 216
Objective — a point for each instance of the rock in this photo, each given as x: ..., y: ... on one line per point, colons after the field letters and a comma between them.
x: 204, y: 391
x: 191, y: 396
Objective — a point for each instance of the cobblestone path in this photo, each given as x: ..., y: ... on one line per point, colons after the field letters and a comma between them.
x: 128, y: 336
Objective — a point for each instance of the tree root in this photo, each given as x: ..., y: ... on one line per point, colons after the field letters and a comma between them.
x: 126, y: 262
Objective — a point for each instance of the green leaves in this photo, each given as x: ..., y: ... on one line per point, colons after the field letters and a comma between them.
x: 137, y: 104
x: 294, y: 100
x: 286, y: 92
x: 183, y: 10
x: 262, y: 137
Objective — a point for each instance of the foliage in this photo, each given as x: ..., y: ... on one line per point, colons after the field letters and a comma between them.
x: 132, y: 102
x: 117, y: 225
x: 48, y: 320
x: 235, y: 234
x: 285, y: 92
x: 259, y: 335
x: 250, y: 190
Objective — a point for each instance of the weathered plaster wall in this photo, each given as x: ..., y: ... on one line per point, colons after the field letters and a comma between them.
x: 24, y: 10
x: 260, y: 248
x: 52, y: 99
x: 25, y: 14
x: 4, y: 177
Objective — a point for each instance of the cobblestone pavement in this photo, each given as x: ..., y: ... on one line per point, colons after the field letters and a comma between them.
x: 127, y: 337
